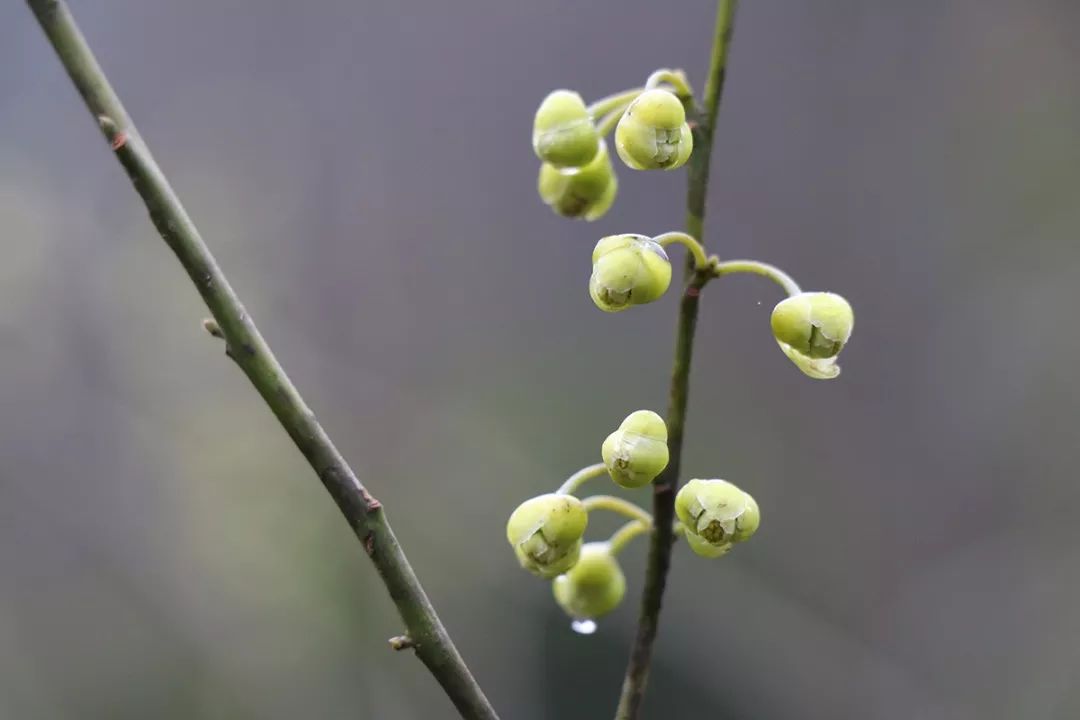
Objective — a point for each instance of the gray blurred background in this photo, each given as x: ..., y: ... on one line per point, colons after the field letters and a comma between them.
x: 363, y: 171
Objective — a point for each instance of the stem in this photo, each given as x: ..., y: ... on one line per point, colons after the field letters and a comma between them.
x: 664, y: 487
x: 606, y: 104
x: 632, y: 529
x: 675, y: 78
x: 609, y: 121
x: 772, y: 272
x: 626, y: 533
x: 572, y: 483
x: 696, y: 249
x: 617, y: 505
x: 251, y: 353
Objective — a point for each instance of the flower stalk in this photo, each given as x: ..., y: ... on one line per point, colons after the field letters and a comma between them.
x: 666, y: 485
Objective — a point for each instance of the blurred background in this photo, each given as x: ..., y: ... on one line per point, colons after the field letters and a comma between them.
x: 364, y: 174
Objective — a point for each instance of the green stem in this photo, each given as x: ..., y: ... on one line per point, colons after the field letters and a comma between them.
x: 572, y: 483
x: 675, y: 78
x: 665, y: 486
x: 612, y: 102
x: 696, y: 249
x: 626, y: 533
x: 632, y: 529
x: 251, y: 353
x: 617, y: 505
x: 609, y: 121
x: 755, y: 267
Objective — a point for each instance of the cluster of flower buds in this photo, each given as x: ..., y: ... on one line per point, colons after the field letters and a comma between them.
x: 577, y: 178
x: 811, y: 327
x: 547, y: 532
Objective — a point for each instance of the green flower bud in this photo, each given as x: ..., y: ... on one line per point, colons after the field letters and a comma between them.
x: 563, y: 132
x: 628, y: 270
x: 637, y: 452
x: 704, y: 548
x: 653, y: 133
x: 593, y: 587
x: 586, y: 192
x: 546, y: 533
x: 716, y: 514
x: 812, y: 328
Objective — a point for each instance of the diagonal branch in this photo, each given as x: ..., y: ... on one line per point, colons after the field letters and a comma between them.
x: 664, y: 487
x: 246, y: 346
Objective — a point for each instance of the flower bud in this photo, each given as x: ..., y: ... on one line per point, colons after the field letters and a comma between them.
x: 594, y: 586
x: 812, y: 328
x: 653, y: 133
x: 546, y: 533
x: 563, y: 131
x: 704, y: 548
x: 628, y: 270
x: 716, y: 515
x: 586, y: 192
x: 637, y: 452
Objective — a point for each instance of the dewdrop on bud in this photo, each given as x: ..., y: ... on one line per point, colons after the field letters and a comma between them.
x: 628, y: 270
x: 586, y: 192
x: 563, y: 131
x: 653, y: 133
x: 812, y: 328
x: 594, y: 586
x: 546, y: 533
x: 637, y: 452
x: 716, y: 515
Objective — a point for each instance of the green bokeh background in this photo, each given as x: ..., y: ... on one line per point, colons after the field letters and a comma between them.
x: 363, y: 171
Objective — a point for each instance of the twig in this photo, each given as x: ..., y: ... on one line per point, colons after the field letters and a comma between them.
x: 664, y: 487
x: 251, y: 353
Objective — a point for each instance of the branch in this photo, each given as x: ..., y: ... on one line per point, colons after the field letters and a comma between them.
x: 664, y: 487
x: 246, y: 346
x: 756, y: 267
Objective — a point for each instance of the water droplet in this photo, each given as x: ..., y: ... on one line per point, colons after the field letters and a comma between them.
x: 583, y: 627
